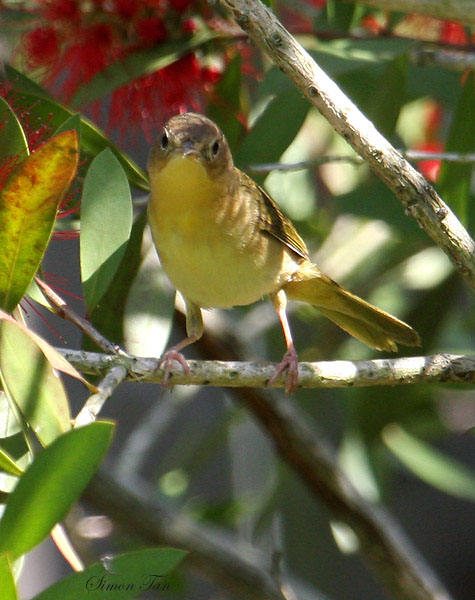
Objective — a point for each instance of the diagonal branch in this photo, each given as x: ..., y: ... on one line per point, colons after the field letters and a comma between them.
x: 419, y: 199
x: 324, y: 374
x: 235, y: 566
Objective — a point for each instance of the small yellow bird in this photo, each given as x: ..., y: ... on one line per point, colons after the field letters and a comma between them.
x: 224, y: 242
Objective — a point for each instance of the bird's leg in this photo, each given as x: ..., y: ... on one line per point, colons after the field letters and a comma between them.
x: 290, y: 360
x: 194, y: 329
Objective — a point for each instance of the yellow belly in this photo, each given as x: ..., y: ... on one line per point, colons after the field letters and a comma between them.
x: 212, y: 254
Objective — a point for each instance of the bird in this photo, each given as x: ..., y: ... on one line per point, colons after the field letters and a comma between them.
x: 224, y: 242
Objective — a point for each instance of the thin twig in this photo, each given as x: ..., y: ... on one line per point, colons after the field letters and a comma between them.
x: 324, y: 374
x: 419, y: 199
x: 453, y: 60
x: 415, y: 155
x: 63, y: 310
x: 93, y: 405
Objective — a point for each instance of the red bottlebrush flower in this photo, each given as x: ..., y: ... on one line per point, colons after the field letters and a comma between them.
x: 61, y: 9
x: 180, y: 6
x: 41, y: 46
x: 125, y: 8
x: 75, y: 40
x: 373, y: 25
x: 453, y: 33
x: 430, y: 168
x: 151, y: 30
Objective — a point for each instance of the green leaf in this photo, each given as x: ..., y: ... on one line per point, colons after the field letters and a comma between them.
x: 389, y: 96
x: 24, y: 84
x: 225, y: 103
x: 29, y: 201
x: 455, y: 178
x: 108, y: 317
x: 274, y: 130
x: 7, y: 580
x: 136, y: 65
x: 13, y: 141
x: 50, y: 486
x: 72, y: 123
x: 37, y: 103
x: 106, y: 222
x: 33, y: 383
x: 429, y: 464
x: 8, y: 465
x: 130, y: 574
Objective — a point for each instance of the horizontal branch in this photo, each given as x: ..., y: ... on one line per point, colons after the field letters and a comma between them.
x: 417, y: 196
x: 324, y: 374
x: 450, y: 10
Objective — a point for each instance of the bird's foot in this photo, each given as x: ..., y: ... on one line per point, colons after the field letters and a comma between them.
x: 289, y: 363
x: 166, y: 361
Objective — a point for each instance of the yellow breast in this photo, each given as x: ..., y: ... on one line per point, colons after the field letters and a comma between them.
x: 208, y: 242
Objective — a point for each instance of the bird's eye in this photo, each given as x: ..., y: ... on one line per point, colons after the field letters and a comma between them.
x: 215, y: 149
x: 164, y: 141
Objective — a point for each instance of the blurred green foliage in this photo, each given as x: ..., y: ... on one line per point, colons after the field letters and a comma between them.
x: 357, y: 232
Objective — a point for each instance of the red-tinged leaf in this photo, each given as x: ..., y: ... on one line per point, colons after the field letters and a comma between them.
x: 28, y: 205
x: 52, y: 356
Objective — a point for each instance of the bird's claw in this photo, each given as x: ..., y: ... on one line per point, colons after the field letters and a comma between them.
x: 166, y: 361
x: 289, y: 363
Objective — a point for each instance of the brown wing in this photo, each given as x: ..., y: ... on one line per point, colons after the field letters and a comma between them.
x: 272, y: 220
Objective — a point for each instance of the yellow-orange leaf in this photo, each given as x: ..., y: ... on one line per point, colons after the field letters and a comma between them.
x: 29, y: 201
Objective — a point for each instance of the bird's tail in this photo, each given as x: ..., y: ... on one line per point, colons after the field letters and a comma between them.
x: 369, y: 324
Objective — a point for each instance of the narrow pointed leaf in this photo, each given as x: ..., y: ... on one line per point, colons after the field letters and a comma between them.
x: 12, y: 137
x: 33, y: 384
x: 72, y: 123
x: 130, y: 574
x: 28, y: 204
x: 7, y: 580
x: 106, y: 222
x: 50, y: 486
x: 8, y: 465
x: 430, y: 465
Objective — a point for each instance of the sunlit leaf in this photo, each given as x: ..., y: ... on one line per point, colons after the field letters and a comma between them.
x: 32, y: 383
x: 7, y: 580
x: 430, y: 465
x: 50, y: 486
x: 136, y: 65
x: 8, y: 465
x: 106, y: 222
x: 28, y: 204
x: 131, y: 574
x: 12, y: 137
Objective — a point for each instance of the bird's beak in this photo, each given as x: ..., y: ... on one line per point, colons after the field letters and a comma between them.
x: 190, y: 150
